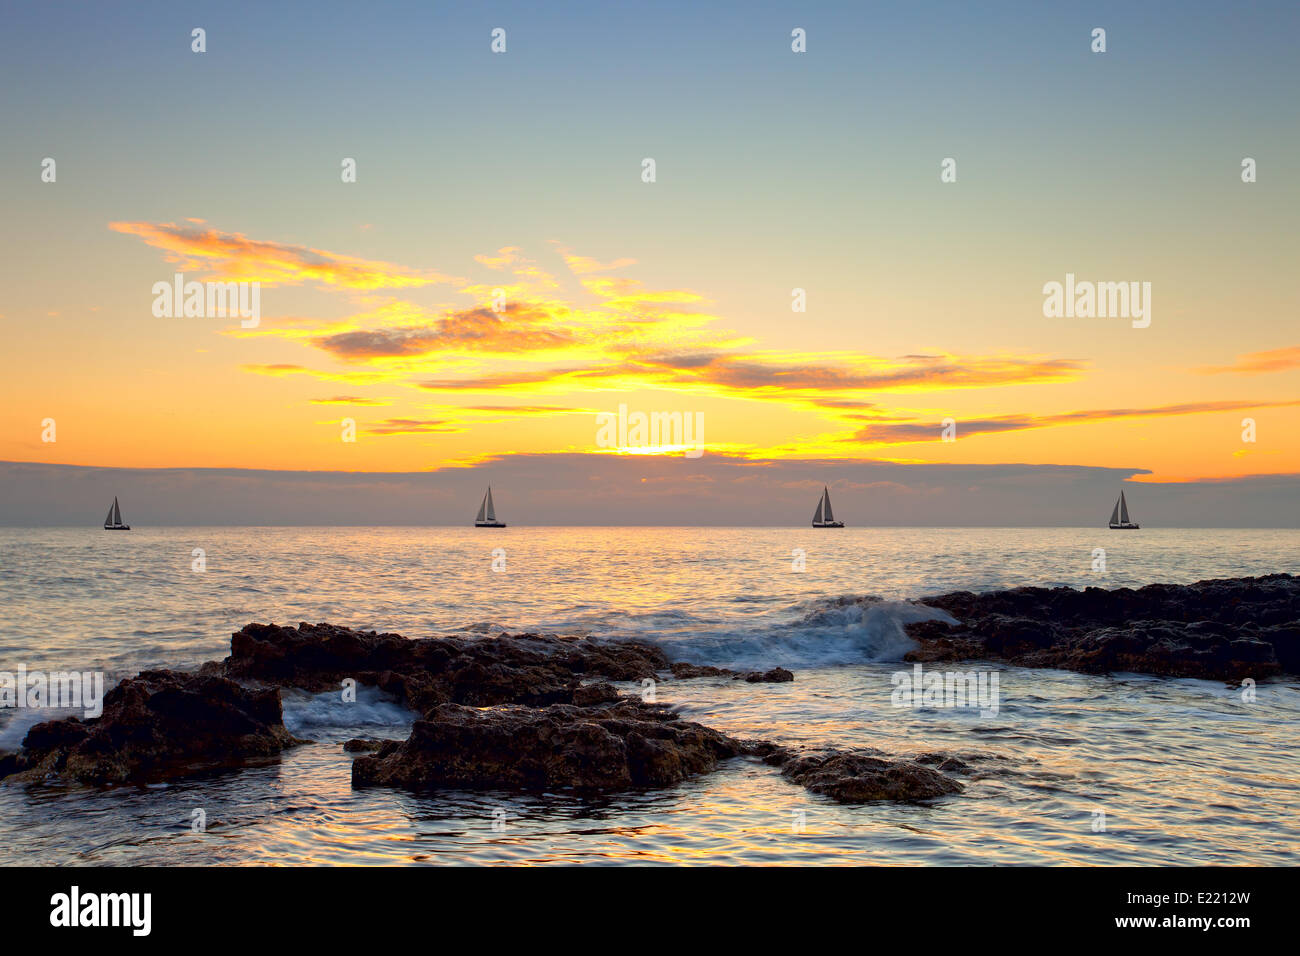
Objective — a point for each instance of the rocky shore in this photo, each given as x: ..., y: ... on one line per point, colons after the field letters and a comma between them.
x: 540, y: 712
x: 157, y: 725
x: 515, y: 712
x: 534, y: 711
x: 1219, y: 629
x: 421, y: 673
x: 614, y: 746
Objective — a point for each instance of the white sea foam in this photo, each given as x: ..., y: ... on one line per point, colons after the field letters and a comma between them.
x: 305, y: 712
x: 844, y: 630
x: 22, y: 720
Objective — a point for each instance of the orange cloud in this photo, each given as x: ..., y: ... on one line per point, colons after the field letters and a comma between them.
x: 892, y: 433
x: 760, y: 373
x: 781, y: 377
x: 411, y: 426
x: 284, y: 369
x: 1255, y: 363
x: 348, y: 400
x: 515, y: 329
x: 584, y: 265
x: 506, y: 256
x: 526, y: 409
x: 232, y: 255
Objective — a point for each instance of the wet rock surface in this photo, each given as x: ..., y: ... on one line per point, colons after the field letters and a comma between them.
x: 777, y: 675
x: 1224, y: 629
x: 532, y: 669
x: 155, y: 725
x: 685, y: 671
x: 361, y: 745
x: 522, y: 713
x: 614, y: 746
x: 867, y: 776
x: 424, y: 672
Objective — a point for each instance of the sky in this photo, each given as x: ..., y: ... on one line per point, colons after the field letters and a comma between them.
x: 500, y: 273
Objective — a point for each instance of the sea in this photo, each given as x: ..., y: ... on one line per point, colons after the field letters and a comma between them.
x: 1089, y: 770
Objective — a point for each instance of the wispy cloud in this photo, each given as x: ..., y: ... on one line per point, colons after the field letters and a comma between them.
x: 348, y: 400
x: 517, y: 328
x: 286, y: 369
x: 886, y: 433
x: 195, y: 246
x: 1256, y: 363
x: 506, y: 256
x: 779, y: 377
x: 411, y: 426
x: 584, y: 265
x: 547, y: 349
x: 526, y: 409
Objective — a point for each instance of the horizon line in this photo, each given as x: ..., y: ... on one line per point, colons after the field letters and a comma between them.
x: 755, y: 527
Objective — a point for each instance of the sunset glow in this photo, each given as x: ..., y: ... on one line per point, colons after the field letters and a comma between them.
x: 431, y: 382
x: 479, y: 314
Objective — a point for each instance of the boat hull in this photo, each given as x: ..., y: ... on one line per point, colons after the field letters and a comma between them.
x: 489, y: 524
x: 120, y: 527
x: 828, y: 524
x: 1125, y: 527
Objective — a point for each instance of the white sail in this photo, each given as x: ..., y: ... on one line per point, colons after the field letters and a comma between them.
x: 117, y: 512
x: 482, y: 509
x: 821, y: 504
x: 108, y: 519
x: 1114, y: 515
x: 1123, y: 509
x: 826, y: 492
x: 491, y: 510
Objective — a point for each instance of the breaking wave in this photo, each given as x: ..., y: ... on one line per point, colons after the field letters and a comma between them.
x: 304, y: 712
x: 818, y: 633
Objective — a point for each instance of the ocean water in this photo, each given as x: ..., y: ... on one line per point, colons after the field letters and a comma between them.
x: 1092, y: 770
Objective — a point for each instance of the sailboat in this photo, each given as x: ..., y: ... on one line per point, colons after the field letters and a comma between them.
x: 1119, y: 519
x: 824, y: 518
x: 114, y: 520
x: 487, y: 513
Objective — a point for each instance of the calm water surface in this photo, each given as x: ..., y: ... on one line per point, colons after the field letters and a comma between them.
x: 1184, y: 771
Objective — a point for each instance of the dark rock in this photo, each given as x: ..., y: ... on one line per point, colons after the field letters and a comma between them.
x: 56, y: 733
x: 777, y: 675
x: 597, y: 692
x: 683, y: 670
x: 772, y: 754
x: 1219, y: 629
x: 478, y: 671
x: 861, y: 777
x: 617, y: 746
x: 945, y: 763
x: 359, y: 745
x: 154, y: 725
x: 975, y: 765
x: 1285, y: 641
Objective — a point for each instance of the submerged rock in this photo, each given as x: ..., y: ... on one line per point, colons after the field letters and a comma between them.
x: 777, y: 675
x: 154, y: 725
x: 361, y: 745
x: 1219, y: 629
x: 686, y: 671
x: 616, y: 746
x: 861, y: 777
